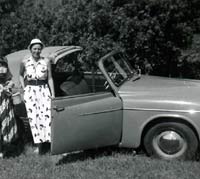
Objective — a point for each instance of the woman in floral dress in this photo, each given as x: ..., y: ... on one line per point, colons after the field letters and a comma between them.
x: 36, y: 80
x: 8, y: 125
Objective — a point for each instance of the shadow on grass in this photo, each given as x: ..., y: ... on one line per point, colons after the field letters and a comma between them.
x: 94, y: 154
x: 14, y: 149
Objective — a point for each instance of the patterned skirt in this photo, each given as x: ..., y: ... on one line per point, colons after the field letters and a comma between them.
x: 8, y: 125
x: 38, y: 107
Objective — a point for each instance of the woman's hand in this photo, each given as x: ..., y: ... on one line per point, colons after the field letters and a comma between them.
x: 52, y: 97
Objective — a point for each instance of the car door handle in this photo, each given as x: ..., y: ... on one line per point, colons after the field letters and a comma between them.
x: 58, y: 109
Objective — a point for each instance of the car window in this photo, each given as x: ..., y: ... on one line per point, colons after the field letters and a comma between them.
x: 74, y: 77
x: 117, y: 68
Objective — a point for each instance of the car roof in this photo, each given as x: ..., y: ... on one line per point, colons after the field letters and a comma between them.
x: 15, y: 58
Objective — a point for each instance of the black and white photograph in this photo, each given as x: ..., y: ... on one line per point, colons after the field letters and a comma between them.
x: 99, y: 89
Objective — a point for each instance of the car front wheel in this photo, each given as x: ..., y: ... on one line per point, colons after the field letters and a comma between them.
x: 171, y: 140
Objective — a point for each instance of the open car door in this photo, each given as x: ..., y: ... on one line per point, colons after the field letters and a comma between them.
x: 85, y: 121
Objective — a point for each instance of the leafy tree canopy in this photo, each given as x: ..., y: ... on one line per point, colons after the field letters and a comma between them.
x: 153, y: 33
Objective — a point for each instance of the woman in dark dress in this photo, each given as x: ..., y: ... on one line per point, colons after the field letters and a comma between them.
x: 8, y: 125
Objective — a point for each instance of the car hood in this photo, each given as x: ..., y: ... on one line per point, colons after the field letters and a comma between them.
x: 161, y: 93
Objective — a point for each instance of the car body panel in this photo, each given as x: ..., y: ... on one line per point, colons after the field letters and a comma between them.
x: 162, y: 93
x: 14, y: 60
x: 164, y: 99
x: 85, y: 121
x: 136, y: 120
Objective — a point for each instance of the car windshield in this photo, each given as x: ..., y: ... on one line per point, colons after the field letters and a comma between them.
x: 118, y: 68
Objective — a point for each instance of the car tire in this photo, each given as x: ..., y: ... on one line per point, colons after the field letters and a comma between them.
x: 171, y: 140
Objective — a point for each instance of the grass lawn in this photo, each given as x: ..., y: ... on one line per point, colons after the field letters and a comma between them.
x: 106, y: 164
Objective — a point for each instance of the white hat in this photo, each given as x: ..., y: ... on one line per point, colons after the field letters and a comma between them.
x: 35, y: 41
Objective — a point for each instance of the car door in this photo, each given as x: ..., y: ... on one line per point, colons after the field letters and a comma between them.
x: 85, y: 121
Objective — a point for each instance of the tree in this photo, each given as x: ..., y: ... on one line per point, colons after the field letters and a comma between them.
x: 7, y: 6
x: 153, y: 33
x: 27, y: 22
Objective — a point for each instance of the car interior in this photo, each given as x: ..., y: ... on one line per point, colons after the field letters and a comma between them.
x: 72, y: 77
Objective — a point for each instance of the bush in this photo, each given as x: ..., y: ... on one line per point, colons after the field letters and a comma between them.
x: 153, y: 33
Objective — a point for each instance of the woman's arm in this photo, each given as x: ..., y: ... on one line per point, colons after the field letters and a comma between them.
x: 50, y: 79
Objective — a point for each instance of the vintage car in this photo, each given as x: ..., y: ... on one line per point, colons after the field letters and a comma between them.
x: 110, y: 104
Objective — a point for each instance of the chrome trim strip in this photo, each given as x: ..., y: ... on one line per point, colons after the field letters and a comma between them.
x: 163, y: 110
x: 66, y: 48
x: 99, y: 112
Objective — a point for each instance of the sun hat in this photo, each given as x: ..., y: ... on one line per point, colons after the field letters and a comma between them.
x: 35, y: 41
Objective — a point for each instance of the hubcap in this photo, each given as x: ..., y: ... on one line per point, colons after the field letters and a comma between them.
x: 169, y: 143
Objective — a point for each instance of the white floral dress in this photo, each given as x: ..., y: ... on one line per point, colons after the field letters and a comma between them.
x: 37, y: 98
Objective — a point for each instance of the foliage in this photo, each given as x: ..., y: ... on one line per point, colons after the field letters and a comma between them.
x: 7, y: 6
x: 153, y: 33
x: 189, y: 61
x: 27, y: 22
